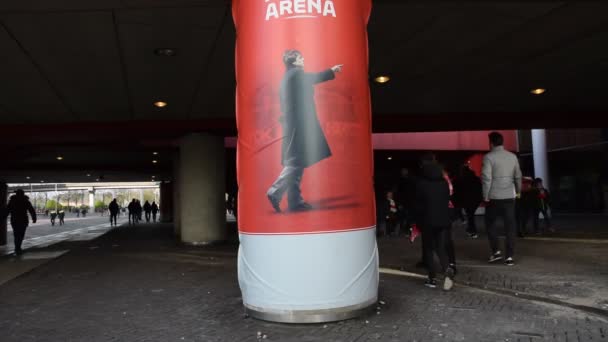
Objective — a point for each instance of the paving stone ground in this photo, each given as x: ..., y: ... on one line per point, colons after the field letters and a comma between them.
x: 137, y: 284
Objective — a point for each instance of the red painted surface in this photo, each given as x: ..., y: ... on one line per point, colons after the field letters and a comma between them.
x: 340, y: 187
x: 435, y: 141
x: 441, y: 141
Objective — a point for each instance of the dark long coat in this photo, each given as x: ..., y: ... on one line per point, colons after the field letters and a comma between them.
x: 304, y: 142
x: 18, y: 207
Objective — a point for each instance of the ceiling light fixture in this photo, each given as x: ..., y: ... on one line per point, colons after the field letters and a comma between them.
x: 382, y: 79
x: 28, y: 177
x: 155, y: 153
x: 160, y: 104
x: 59, y: 158
x: 538, y: 91
x: 154, y: 161
x: 41, y: 181
x: 390, y: 158
x: 88, y: 175
x: 165, y: 52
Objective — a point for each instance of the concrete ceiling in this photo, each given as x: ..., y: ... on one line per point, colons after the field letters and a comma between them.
x: 81, y: 75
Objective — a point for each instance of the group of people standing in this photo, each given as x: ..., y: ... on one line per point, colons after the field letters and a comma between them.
x: 429, y: 203
x: 135, y: 211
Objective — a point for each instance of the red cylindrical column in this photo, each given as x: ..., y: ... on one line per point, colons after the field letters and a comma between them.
x: 306, y: 204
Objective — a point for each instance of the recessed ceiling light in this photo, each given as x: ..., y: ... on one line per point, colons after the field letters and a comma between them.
x: 41, y: 181
x: 160, y: 104
x: 28, y: 177
x: 88, y: 175
x: 59, y: 158
x: 390, y: 158
x: 155, y: 161
x: 382, y: 79
x: 165, y: 52
x: 538, y: 91
x: 153, y: 176
x: 155, y: 153
x: 97, y: 180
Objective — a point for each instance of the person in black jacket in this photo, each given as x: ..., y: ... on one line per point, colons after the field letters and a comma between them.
x: 467, y: 195
x: 433, y: 218
x: 114, y: 209
x: 18, y: 207
x: 148, y: 211
x: 154, y: 210
x: 304, y: 142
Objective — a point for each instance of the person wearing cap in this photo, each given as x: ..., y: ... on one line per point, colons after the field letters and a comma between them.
x: 18, y: 207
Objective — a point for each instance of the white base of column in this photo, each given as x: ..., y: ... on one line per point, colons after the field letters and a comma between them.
x: 308, y: 278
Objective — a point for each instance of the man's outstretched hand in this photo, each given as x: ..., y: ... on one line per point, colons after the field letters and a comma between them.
x: 337, y: 68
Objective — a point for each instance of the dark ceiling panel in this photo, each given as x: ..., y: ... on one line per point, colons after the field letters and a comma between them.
x: 78, y: 53
x: 90, y: 5
x: 25, y: 96
x: 160, y: 78
x: 215, y: 96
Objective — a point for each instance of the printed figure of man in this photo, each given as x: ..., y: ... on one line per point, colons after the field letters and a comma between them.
x: 304, y: 142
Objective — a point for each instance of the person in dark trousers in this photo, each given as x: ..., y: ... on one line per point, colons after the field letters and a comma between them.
x: 53, y: 217
x: 467, y: 196
x: 18, y: 207
x: 405, y: 197
x: 148, y: 211
x: 114, y: 209
x: 433, y: 218
x: 133, y: 216
x: 154, y: 208
x: 501, y: 184
x: 138, y: 209
x: 304, y: 143
x: 390, y: 214
x: 61, y: 216
x: 541, y: 200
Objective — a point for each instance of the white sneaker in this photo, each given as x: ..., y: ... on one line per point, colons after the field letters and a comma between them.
x: 495, y: 257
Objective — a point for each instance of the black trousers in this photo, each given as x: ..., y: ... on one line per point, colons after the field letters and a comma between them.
x: 545, y: 217
x: 148, y: 216
x: 113, y: 218
x: 506, y: 210
x: 471, y: 226
x: 449, y: 246
x: 18, y: 235
x: 434, y: 242
x: 154, y: 216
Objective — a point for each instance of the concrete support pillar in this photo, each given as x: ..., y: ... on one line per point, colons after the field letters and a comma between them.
x: 141, y: 196
x: 176, y: 196
x: 92, y: 199
x: 539, y: 153
x: 202, y: 189
x: 166, y: 202
x: 3, y: 197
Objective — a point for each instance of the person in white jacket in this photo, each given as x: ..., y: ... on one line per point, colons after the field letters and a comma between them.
x: 501, y: 184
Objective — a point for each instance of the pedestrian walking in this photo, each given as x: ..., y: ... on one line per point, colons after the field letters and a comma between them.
x: 501, y: 184
x: 148, y: 211
x: 433, y: 218
x: 154, y: 211
x: 114, y: 209
x: 468, y: 196
x: 18, y: 207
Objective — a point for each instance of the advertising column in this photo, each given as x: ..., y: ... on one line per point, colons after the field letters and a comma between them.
x: 304, y: 160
